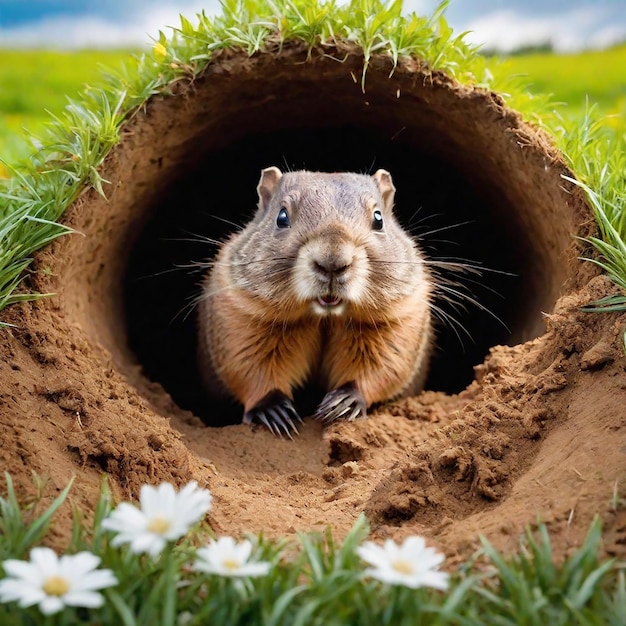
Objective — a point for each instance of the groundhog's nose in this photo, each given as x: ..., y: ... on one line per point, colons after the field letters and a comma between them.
x: 330, y: 267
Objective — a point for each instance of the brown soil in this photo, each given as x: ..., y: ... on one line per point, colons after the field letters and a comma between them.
x: 88, y: 377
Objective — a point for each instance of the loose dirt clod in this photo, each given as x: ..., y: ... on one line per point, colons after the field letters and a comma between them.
x: 99, y: 379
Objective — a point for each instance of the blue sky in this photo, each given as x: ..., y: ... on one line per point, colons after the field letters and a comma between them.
x: 501, y: 24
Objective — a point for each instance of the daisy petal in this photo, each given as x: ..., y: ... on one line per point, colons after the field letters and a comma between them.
x: 167, y: 497
x: 12, y: 590
x: 373, y: 554
x: 22, y: 569
x: 225, y: 557
x: 260, y: 568
x: 145, y: 542
x: 46, y: 561
x: 77, y: 565
x: 410, y: 564
x: 55, y: 582
x: 165, y: 515
x: 50, y: 605
x: 437, y: 580
x: 125, y: 518
x: 413, y: 547
x: 243, y: 550
x: 87, y: 599
x: 98, y: 579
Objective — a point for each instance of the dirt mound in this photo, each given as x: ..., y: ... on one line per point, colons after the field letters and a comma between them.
x: 101, y: 377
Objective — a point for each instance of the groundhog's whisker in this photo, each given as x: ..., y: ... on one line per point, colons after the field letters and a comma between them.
x: 206, y: 294
x: 452, y: 323
x: 465, y: 284
x: 453, y: 291
x: 460, y: 265
x: 188, y: 308
x: 161, y: 273
x: 390, y: 281
x: 196, y: 299
x: 195, y: 239
x: 194, y: 267
x: 223, y: 219
x: 453, y: 265
x: 411, y: 224
x: 449, y: 290
x: 247, y: 263
x: 442, y: 229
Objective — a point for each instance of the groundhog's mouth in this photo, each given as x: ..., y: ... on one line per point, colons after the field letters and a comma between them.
x: 329, y: 301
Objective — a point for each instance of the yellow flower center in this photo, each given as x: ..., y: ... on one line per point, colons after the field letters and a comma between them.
x: 230, y: 564
x: 402, y: 566
x: 158, y: 525
x: 56, y: 586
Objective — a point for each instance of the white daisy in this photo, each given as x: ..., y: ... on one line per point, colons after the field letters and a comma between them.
x: 165, y: 515
x: 225, y: 557
x: 53, y: 582
x: 411, y: 564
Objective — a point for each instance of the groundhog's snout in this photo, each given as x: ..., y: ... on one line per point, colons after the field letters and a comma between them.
x: 327, y: 271
x: 331, y: 259
x: 330, y: 268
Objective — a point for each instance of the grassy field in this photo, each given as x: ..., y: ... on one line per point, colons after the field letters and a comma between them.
x: 575, y: 79
x: 33, y: 82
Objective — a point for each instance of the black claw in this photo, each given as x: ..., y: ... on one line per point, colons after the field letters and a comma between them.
x: 279, y: 422
x: 291, y: 412
x: 276, y: 412
x: 282, y: 417
x: 356, y: 411
x: 263, y: 419
x: 292, y: 426
x: 346, y: 402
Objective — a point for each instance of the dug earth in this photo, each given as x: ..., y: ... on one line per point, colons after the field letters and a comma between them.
x: 539, y: 433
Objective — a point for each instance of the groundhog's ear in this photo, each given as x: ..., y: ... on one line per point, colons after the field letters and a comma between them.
x: 267, y: 185
x: 386, y: 186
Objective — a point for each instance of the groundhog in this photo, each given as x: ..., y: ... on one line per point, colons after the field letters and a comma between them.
x: 322, y: 285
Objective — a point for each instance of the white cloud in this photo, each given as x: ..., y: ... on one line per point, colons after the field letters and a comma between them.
x: 592, y: 26
x: 588, y: 27
x: 420, y: 7
x: 71, y: 32
x: 608, y: 35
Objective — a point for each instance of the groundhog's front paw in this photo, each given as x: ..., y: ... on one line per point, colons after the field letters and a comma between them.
x: 346, y: 403
x: 276, y: 412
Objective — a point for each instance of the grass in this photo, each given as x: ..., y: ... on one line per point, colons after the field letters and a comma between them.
x: 316, y: 580
x: 35, y: 82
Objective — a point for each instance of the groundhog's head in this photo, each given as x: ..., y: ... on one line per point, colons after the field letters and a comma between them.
x: 328, y: 243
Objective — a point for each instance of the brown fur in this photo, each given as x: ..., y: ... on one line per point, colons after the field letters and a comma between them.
x: 260, y: 329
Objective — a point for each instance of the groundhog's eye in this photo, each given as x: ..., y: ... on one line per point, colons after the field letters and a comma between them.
x: 377, y: 220
x: 282, y: 221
